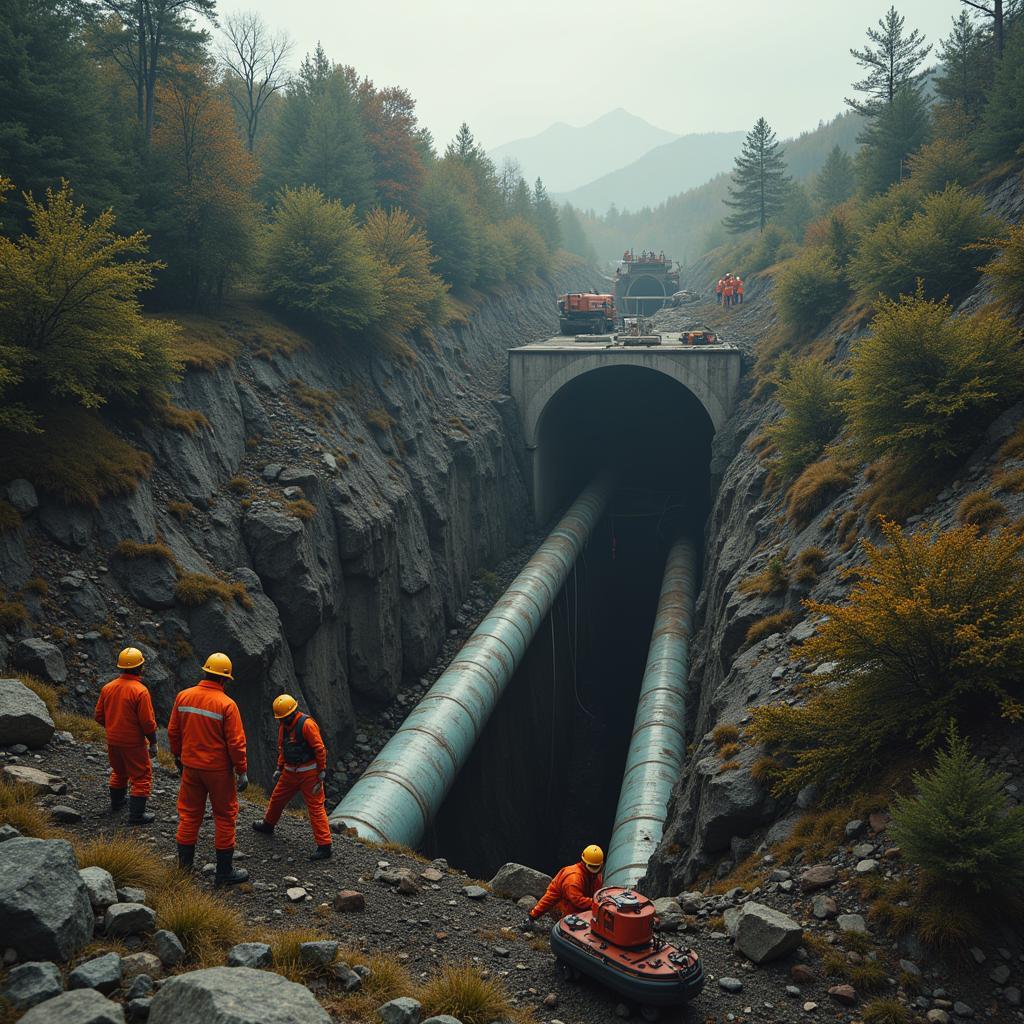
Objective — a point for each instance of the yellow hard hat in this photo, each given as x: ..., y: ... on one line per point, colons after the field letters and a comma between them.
x: 130, y: 657
x: 593, y: 856
x: 284, y: 705
x: 218, y: 665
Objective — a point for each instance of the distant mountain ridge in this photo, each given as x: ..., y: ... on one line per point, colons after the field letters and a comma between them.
x: 567, y: 157
x: 684, y: 163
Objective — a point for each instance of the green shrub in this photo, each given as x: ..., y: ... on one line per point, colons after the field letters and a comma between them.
x: 529, y: 253
x: 811, y: 396
x: 1006, y: 272
x: 936, y: 246
x: 959, y: 830
x: 925, y: 384
x: 809, y: 290
x: 908, y: 655
x: 317, y: 265
x: 941, y: 163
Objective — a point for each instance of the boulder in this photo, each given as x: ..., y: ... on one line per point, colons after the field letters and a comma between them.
x: 319, y: 953
x: 23, y: 716
x: 852, y: 923
x: 138, y: 1008
x: 403, y: 1010
x: 150, y: 580
x: 86, y: 603
x: 129, y: 919
x: 516, y: 880
x: 31, y: 983
x: 22, y: 495
x: 168, y: 947
x: 8, y: 832
x: 45, y: 912
x: 349, y: 901
x: 817, y: 876
x: 40, y: 781
x: 250, y: 954
x: 141, y: 964
x: 65, y: 815
x: 225, y: 995
x: 348, y: 979
x: 84, y: 1006
x: 764, y: 934
x: 99, y: 883
x: 824, y: 907
x: 444, y: 1018
x: 130, y: 894
x: 474, y: 892
x: 42, y: 659
x: 102, y: 973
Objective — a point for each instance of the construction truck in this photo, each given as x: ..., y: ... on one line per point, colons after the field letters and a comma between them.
x: 586, y: 313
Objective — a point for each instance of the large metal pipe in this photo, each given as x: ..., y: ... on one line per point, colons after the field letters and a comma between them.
x: 658, y: 745
x: 398, y: 795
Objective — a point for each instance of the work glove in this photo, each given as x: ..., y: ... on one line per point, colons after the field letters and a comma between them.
x: 152, y: 751
x: 320, y: 784
x: 243, y: 782
x: 277, y: 776
x: 179, y: 765
x: 529, y: 925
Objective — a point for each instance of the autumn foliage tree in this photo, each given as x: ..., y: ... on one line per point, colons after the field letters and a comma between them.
x: 933, y: 630
x: 391, y: 130
x: 206, y: 221
x: 71, y: 328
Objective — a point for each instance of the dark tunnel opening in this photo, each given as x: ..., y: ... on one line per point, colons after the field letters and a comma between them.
x: 642, y: 296
x: 544, y: 778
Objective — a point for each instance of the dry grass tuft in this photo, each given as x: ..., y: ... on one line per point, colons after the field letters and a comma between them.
x: 772, y: 579
x: 129, y: 860
x: 181, y: 510
x: 206, y: 924
x: 777, y: 623
x: 84, y: 729
x: 76, y: 458
x: 389, y: 980
x: 886, y: 1011
x: 1011, y: 480
x: 284, y: 947
x: 815, y: 487
x: 724, y: 734
x: 204, y: 344
x: 319, y: 403
x: 380, y: 418
x: 18, y: 808
x: 896, y: 492
x: 301, y: 509
x: 981, y: 510
x: 808, y: 565
x: 130, y: 550
x: 188, y: 421
x: 459, y: 990
x: 12, y: 614
x: 36, y: 585
x: 1013, y: 446
x: 10, y: 517
x: 196, y: 588
x: 846, y: 531
x: 239, y: 484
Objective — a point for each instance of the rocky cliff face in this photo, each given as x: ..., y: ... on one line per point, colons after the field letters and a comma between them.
x: 720, y: 813
x: 352, y: 497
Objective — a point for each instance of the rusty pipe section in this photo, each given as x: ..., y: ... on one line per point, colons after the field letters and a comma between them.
x: 658, y: 745
x: 400, y: 792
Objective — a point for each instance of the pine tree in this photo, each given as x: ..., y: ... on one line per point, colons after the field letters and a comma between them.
x: 998, y: 12
x: 760, y: 185
x: 892, y: 62
x: 896, y: 132
x: 958, y: 828
x: 1002, y: 123
x: 965, y: 70
x: 836, y: 180
x: 545, y: 217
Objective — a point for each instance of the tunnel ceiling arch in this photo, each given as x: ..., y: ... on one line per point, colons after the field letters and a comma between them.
x: 689, y: 374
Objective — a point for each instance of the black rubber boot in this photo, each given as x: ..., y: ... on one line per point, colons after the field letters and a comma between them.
x: 321, y: 852
x: 137, y: 813
x: 262, y: 826
x: 117, y: 798
x: 226, y: 874
x: 186, y: 856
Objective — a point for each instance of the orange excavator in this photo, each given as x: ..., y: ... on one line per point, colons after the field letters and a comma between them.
x: 586, y: 313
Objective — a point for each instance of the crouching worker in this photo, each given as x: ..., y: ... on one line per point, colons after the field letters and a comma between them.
x: 208, y: 743
x: 301, y: 768
x: 125, y: 710
x: 572, y: 890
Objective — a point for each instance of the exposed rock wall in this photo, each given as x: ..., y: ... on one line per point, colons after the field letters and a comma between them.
x: 413, y: 478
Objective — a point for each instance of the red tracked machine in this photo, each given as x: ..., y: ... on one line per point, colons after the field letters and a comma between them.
x: 616, y: 945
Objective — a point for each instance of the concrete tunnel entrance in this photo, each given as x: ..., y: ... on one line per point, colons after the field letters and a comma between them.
x: 544, y: 778
x: 644, y: 296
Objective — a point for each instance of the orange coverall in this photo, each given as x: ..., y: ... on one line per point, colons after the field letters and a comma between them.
x: 739, y: 289
x: 302, y: 778
x: 205, y: 733
x: 571, y: 891
x: 727, y: 291
x: 125, y: 710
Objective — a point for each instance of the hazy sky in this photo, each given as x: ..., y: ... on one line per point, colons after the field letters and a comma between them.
x: 512, y: 67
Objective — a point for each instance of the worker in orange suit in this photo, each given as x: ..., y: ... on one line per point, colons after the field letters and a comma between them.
x: 125, y: 710
x: 718, y: 291
x: 739, y: 290
x: 728, y: 290
x: 208, y: 743
x: 301, y: 768
x: 572, y: 890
